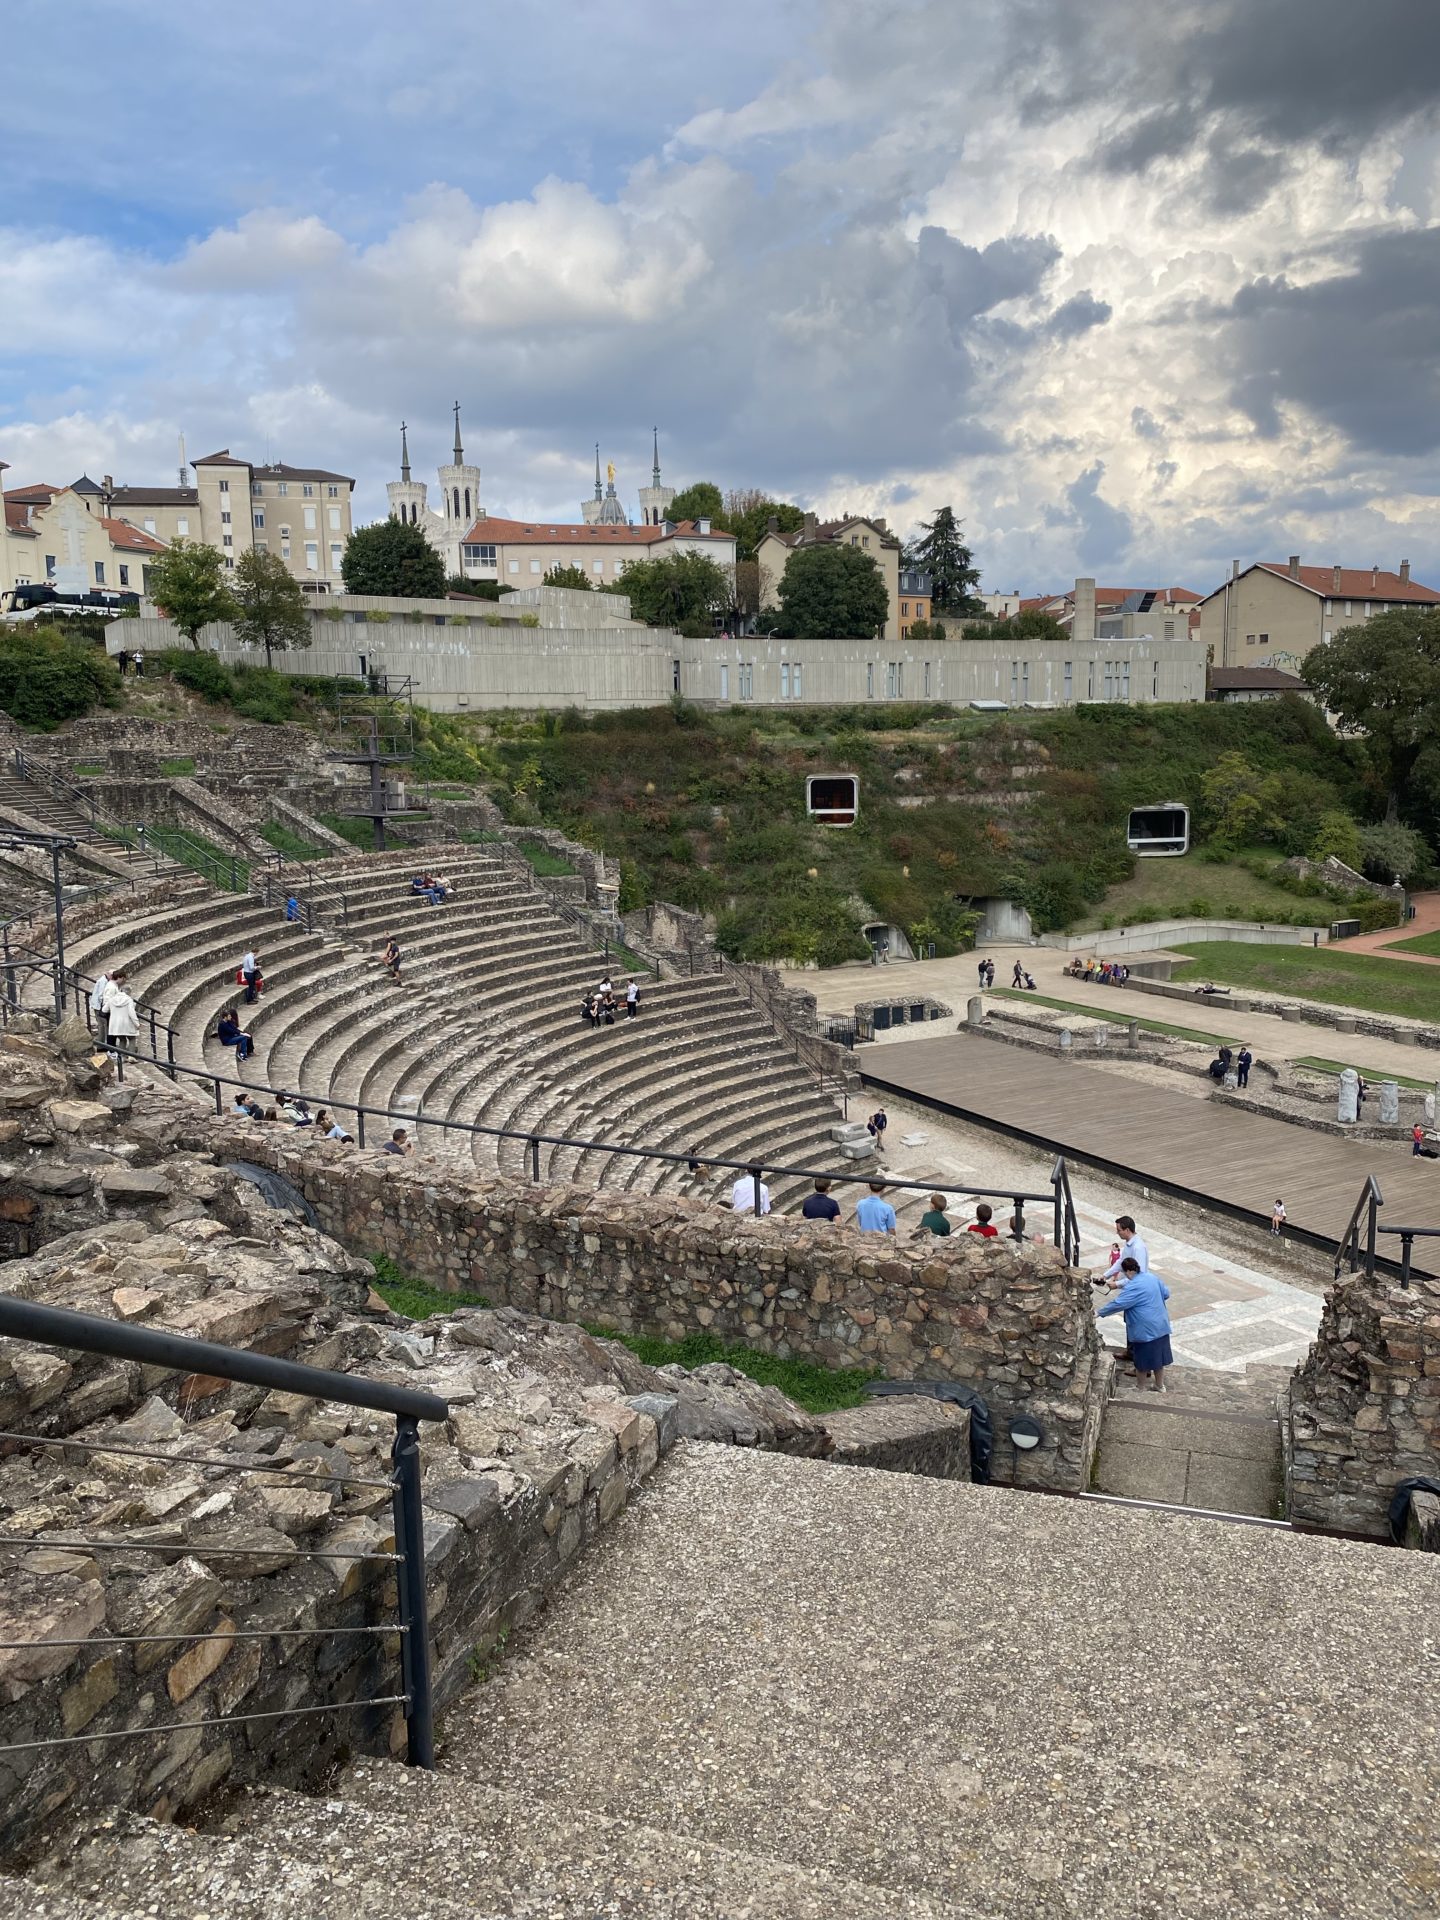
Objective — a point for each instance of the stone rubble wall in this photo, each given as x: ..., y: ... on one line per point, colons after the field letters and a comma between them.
x: 1363, y: 1411
x: 903, y: 1435
x: 1015, y: 1323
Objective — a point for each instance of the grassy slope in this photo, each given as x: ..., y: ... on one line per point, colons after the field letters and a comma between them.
x: 817, y: 1389
x: 1362, y: 980
x: 1169, y: 888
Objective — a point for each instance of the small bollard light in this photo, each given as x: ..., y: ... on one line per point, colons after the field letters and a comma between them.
x: 1026, y: 1433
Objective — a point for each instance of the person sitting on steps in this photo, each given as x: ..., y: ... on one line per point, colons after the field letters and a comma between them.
x: 390, y: 958
x: 230, y: 1033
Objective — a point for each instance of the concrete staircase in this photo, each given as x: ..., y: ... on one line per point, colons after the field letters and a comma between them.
x: 781, y: 1689
x: 1209, y: 1441
x: 38, y: 803
x: 486, y: 1027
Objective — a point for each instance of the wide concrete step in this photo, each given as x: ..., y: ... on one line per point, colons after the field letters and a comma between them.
x: 500, y: 1852
x: 1022, y: 1705
x: 1216, y: 1448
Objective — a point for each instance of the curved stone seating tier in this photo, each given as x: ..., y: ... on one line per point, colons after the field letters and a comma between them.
x: 484, y: 1028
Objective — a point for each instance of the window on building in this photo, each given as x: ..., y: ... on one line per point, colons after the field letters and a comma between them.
x: 864, y: 539
x: 1125, y: 681
x: 149, y: 525
x: 480, y: 556
x: 1349, y: 606
x: 224, y: 519
x: 869, y: 679
x: 1069, y: 681
x: 1264, y: 639
x: 49, y: 566
x: 182, y: 527
x: 675, y: 676
x: 512, y: 566
x: 282, y: 487
x: 99, y: 573
x: 308, y: 491
x: 747, y: 679
x: 926, y: 681
x: 456, y: 498
x: 262, y: 546
x: 256, y: 490
x: 309, y: 519
x: 334, y: 492
x: 534, y: 566
x: 1249, y: 639
x: 1014, y: 681
x: 337, y: 556
x: 284, y: 549
x: 784, y: 679
x: 124, y: 576
x: 1090, y: 682
x: 597, y: 566
x: 285, y: 533
x: 1155, y: 681
x: 312, y: 556
x: 1025, y: 681
x: 259, y: 518
x: 334, y: 517
x: 224, y: 486
x: 894, y: 679
x: 795, y: 681
x: 724, y: 683
x: 904, y: 609
x: 227, y: 540
x: 467, y: 503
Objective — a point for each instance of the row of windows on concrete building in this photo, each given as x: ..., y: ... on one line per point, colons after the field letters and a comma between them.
x: 282, y: 488
x: 485, y: 556
x: 1111, y: 683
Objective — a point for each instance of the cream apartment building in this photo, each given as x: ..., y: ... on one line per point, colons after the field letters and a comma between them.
x: 871, y: 536
x: 519, y: 553
x: 62, y: 535
x: 1269, y: 615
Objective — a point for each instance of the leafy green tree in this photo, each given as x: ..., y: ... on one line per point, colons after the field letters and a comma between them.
x: 1389, y: 852
x: 1239, y: 802
x: 189, y: 586
x: 271, y: 610
x: 573, y: 577
x: 748, y: 513
x: 1337, y: 838
x: 476, y: 589
x: 1032, y: 625
x: 946, y: 558
x: 701, y: 501
x: 830, y: 591
x: 1382, y: 680
x: 48, y: 674
x: 684, y: 591
x: 393, y: 557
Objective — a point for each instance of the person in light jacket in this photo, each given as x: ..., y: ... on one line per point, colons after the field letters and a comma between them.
x: 97, y: 1006
x: 1142, y: 1300
x: 122, y: 1022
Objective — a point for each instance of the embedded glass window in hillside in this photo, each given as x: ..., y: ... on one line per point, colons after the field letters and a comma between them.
x: 1025, y: 682
x: 1155, y: 681
x: 1014, y: 681
x: 1125, y: 680
x: 927, y: 680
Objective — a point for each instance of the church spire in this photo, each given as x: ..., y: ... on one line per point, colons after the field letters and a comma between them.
x: 459, y: 450
x: 655, y: 470
x: 599, y: 495
x: 404, y: 454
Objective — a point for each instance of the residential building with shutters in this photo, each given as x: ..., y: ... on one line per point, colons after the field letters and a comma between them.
x: 1271, y: 614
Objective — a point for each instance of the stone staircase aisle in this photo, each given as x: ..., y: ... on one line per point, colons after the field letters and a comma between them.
x: 1210, y: 1441
x: 781, y: 1688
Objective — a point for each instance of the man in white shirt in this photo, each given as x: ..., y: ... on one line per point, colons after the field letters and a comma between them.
x: 97, y: 1007
x: 742, y: 1194
x: 1132, y: 1247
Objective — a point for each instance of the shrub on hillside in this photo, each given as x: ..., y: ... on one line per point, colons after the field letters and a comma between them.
x: 264, y: 696
x: 1053, y: 896
x: 1388, y: 849
x: 47, y: 676
x: 201, y: 673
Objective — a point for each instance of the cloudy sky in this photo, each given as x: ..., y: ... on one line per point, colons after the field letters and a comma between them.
x: 1139, y: 286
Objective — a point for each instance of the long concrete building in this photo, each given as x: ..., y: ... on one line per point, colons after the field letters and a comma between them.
x: 550, y: 647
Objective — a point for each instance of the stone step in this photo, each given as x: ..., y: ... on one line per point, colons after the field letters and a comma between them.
x: 1020, y: 1705
x: 505, y: 1853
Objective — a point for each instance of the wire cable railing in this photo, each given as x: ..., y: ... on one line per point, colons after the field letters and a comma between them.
x: 177, y: 1353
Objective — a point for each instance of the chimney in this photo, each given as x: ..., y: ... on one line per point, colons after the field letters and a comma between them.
x: 810, y: 523
x: 1082, y: 626
x: 1405, y: 573
x: 1335, y: 575
x: 1374, y: 578
x: 772, y: 525
x: 1294, y: 566
x: 109, y: 483
x: 1234, y: 569
x: 880, y: 524
x: 702, y: 526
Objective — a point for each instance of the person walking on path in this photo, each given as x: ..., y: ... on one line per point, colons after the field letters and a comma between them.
x: 1017, y: 978
x: 935, y: 1221
x: 820, y: 1205
x: 875, y: 1126
x: 1141, y: 1299
x: 122, y: 1022
x: 1244, y: 1060
x: 742, y: 1194
x: 632, y: 1001
x: 1277, y: 1218
x: 980, y: 970
x: 875, y: 1213
x: 97, y: 1007
x: 1131, y: 1247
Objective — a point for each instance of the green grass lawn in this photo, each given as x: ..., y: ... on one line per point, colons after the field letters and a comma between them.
x: 1168, y: 889
x: 817, y: 1389
x: 1366, y: 981
x: 414, y: 1298
x: 1426, y: 943
x: 1372, y: 1074
x: 547, y: 864
x: 290, y: 844
x: 1118, y: 1019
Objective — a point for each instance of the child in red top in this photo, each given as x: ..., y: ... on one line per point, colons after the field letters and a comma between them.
x: 981, y: 1223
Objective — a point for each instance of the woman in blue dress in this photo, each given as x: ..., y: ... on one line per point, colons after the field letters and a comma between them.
x: 1141, y: 1299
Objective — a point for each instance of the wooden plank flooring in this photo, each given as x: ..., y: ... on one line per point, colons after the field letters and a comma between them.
x: 1214, y: 1154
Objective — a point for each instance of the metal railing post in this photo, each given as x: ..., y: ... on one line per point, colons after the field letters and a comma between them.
x: 1019, y: 1215
x: 534, y: 1158
x: 1370, y: 1240
x: 1407, y: 1242
x: 360, y: 1126
x: 414, y: 1613
x: 755, y: 1173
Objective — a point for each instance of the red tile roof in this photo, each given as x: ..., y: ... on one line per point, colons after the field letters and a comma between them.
x: 1356, y: 583
x: 16, y: 517
x: 131, y: 539
x: 221, y: 459
x: 491, y: 532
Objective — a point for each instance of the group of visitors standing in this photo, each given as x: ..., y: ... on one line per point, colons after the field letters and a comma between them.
x: 1140, y: 1296
x: 117, y: 1019
x: 600, y: 1006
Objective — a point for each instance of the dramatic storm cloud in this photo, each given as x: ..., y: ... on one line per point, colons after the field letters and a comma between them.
x: 1139, y: 286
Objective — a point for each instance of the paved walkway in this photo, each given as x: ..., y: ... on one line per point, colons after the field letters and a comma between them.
x: 1427, y: 920
x: 838, y: 989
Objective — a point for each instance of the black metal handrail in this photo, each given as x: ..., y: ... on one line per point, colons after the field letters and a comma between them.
x: 1067, y: 1221
x: 177, y: 1353
x: 1408, y: 1237
x: 72, y: 988
x: 221, y: 870
x: 1364, y: 1216
x: 806, y: 1048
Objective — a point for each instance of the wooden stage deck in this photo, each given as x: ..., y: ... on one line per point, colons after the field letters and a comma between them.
x: 1201, y: 1150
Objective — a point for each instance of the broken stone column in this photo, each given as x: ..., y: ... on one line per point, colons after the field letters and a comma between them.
x: 1132, y: 1036
x: 1389, y: 1103
x: 1067, y: 1039
x: 974, y: 1011
x: 1430, y: 1109
x: 1349, y: 1097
